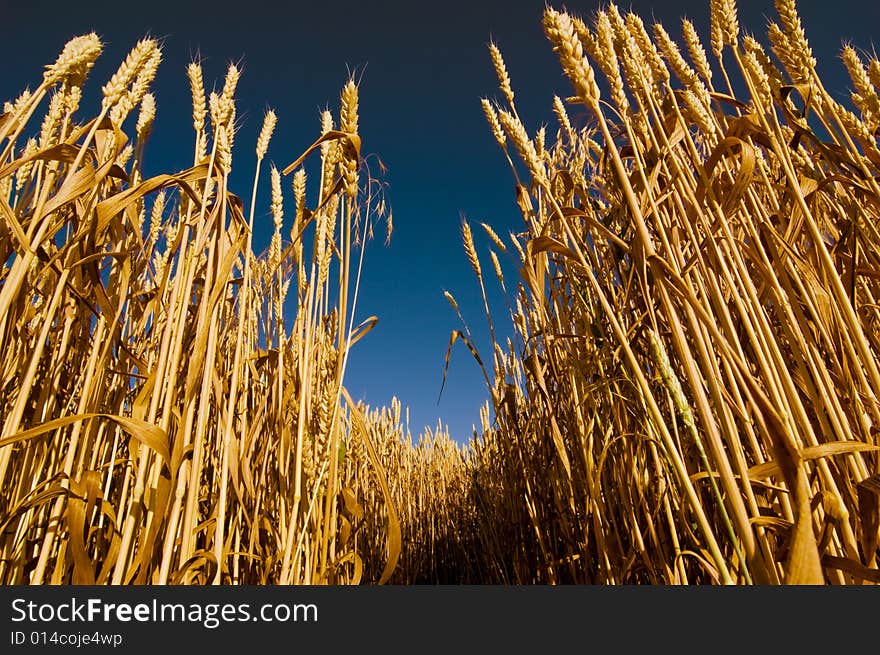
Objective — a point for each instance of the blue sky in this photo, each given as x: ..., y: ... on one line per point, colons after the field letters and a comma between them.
x: 423, y: 69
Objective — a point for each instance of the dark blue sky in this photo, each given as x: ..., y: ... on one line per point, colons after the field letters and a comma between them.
x: 424, y: 67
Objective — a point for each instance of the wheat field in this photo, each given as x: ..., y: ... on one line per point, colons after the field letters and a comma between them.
x: 689, y: 394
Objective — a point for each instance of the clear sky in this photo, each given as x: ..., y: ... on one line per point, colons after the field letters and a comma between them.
x: 423, y: 69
